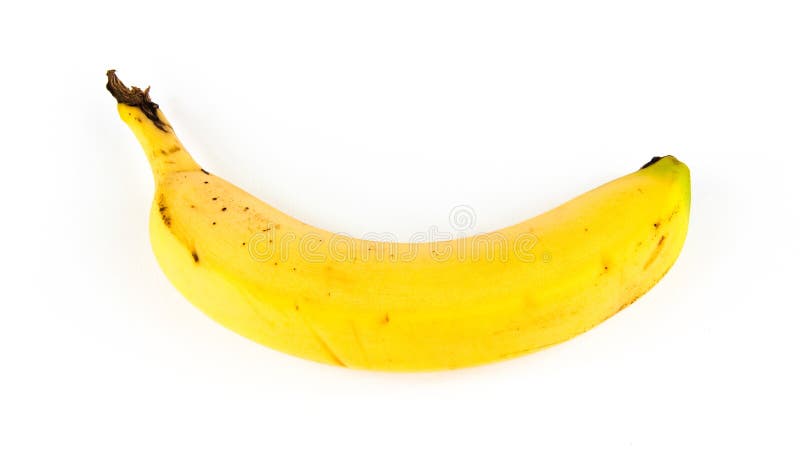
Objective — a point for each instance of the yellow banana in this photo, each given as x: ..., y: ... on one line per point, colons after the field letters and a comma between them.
x: 404, y: 306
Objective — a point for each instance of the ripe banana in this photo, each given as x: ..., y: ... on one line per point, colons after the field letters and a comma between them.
x: 404, y: 306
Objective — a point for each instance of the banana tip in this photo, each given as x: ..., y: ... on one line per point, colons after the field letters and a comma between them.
x: 134, y: 97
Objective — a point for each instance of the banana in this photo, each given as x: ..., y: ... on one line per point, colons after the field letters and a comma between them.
x: 404, y: 306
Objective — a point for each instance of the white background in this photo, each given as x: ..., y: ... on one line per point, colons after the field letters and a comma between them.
x: 380, y: 117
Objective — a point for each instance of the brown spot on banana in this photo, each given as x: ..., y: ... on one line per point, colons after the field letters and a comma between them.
x: 651, y: 162
x: 674, y: 212
x: 164, y: 211
x: 655, y: 253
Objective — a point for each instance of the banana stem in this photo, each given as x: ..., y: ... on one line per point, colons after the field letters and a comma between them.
x: 164, y: 151
x: 134, y: 97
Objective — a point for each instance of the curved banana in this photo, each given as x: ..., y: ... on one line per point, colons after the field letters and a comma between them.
x: 404, y: 306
